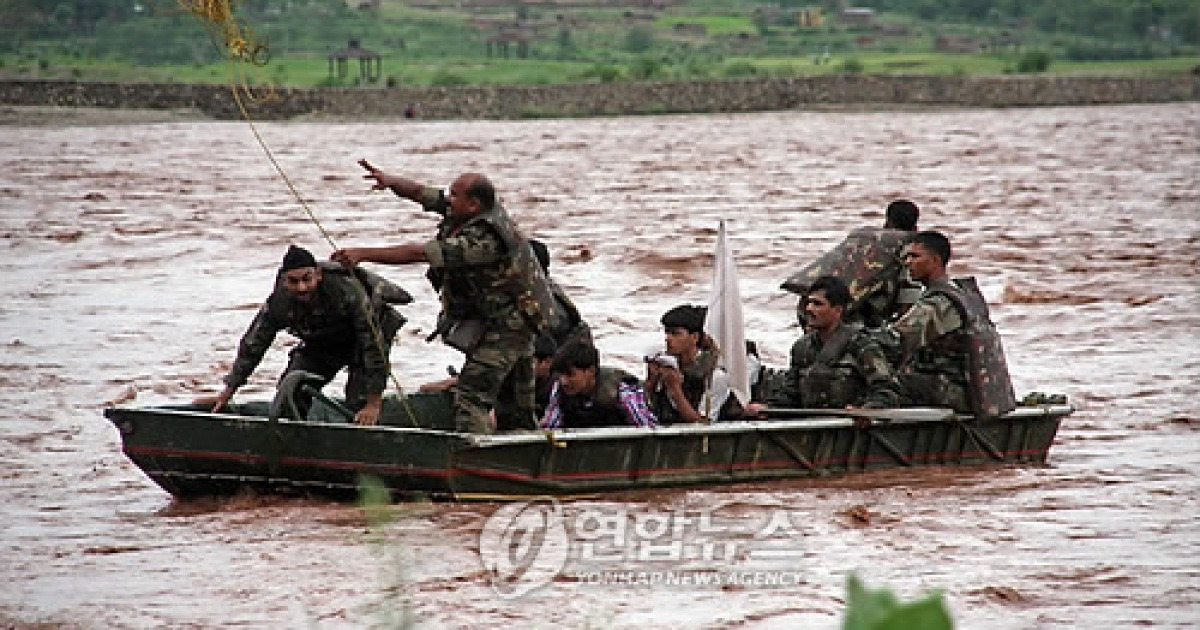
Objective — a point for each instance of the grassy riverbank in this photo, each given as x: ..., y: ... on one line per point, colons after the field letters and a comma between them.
x: 310, y: 72
x: 477, y: 43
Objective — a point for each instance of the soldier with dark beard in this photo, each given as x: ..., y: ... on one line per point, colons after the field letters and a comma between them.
x: 340, y: 323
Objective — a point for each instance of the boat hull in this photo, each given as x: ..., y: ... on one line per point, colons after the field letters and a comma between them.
x: 190, y: 452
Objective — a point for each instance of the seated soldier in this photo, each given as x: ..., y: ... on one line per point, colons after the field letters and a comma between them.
x: 566, y: 324
x: 587, y: 395
x: 836, y: 364
x: 951, y: 352
x: 684, y: 383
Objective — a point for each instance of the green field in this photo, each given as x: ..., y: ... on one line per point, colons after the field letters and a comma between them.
x: 301, y: 71
x: 690, y: 40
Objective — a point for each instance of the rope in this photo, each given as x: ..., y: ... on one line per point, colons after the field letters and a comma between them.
x: 241, y: 46
x: 238, y: 41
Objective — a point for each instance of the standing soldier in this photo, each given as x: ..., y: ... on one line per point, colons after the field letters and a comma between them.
x: 340, y: 325
x: 870, y: 260
x: 495, y: 298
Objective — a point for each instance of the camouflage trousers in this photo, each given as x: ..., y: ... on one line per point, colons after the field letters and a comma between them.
x: 326, y: 365
x: 935, y: 390
x: 498, y: 374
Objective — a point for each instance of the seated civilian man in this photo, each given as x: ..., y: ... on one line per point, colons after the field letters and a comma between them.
x: 587, y: 395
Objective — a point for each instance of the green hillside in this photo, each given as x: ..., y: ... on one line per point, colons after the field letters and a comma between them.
x: 544, y: 41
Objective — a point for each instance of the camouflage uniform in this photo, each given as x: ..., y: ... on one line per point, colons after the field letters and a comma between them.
x: 334, y: 331
x: 953, y: 354
x: 566, y: 325
x: 934, y: 372
x: 486, y: 273
x: 871, y: 262
x: 848, y: 369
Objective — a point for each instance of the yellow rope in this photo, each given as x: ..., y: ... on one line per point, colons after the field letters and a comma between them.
x: 375, y: 332
x: 242, y: 46
x: 239, y: 41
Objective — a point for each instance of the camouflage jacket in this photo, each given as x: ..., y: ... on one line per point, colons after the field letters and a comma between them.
x: 949, y: 332
x: 565, y: 323
x: 335, y: 323
x: 849, y: 369
x: 932, y: 337
x: 870, y: 261
x: 484, y: 269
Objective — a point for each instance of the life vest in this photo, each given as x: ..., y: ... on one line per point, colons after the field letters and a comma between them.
x: 826, y: 379
x: 485, y: 292
x: 976, y: 348
x: 327, y: 322
x: 565, y: 322
x: 870, y: 261
x: 603, y: 407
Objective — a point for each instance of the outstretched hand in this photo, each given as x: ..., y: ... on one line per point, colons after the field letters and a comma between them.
x: 375, y: 174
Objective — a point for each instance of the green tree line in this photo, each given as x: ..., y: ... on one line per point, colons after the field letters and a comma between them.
x: 130, y: 39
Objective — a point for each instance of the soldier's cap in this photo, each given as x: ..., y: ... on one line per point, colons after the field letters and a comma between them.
x: 297, y: 258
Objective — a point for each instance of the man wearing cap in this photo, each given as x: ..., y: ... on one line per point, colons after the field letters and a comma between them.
x: 339, y: 326
x: 684, y: 383
x: 495, y: 298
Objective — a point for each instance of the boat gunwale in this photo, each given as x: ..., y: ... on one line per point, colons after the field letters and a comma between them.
x: 815, y: 420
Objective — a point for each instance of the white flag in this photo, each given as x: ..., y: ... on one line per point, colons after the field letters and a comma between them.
x: 724, y: 321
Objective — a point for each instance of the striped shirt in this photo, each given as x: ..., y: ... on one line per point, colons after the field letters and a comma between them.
x: 633, y: 407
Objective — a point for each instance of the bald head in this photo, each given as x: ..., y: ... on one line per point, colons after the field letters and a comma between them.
x: 470, y: 194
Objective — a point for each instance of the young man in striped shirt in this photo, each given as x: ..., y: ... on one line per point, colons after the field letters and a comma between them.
x: 587, y: 395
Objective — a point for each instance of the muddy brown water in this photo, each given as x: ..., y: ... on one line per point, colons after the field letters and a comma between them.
x: 134, y: 256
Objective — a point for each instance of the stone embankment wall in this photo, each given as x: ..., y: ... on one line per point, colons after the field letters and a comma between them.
x: 600, y: 99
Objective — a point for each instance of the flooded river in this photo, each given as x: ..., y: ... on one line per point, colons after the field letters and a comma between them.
x: 134, y: 257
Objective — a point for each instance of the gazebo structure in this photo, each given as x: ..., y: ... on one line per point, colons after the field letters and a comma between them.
x: 370, y: 64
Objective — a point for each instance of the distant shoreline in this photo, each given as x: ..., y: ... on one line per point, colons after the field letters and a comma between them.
x: 56, y: 102
x: 60, y: 116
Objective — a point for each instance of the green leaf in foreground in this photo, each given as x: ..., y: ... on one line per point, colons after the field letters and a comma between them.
x: 375, y: 500
x: 880, y: 610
